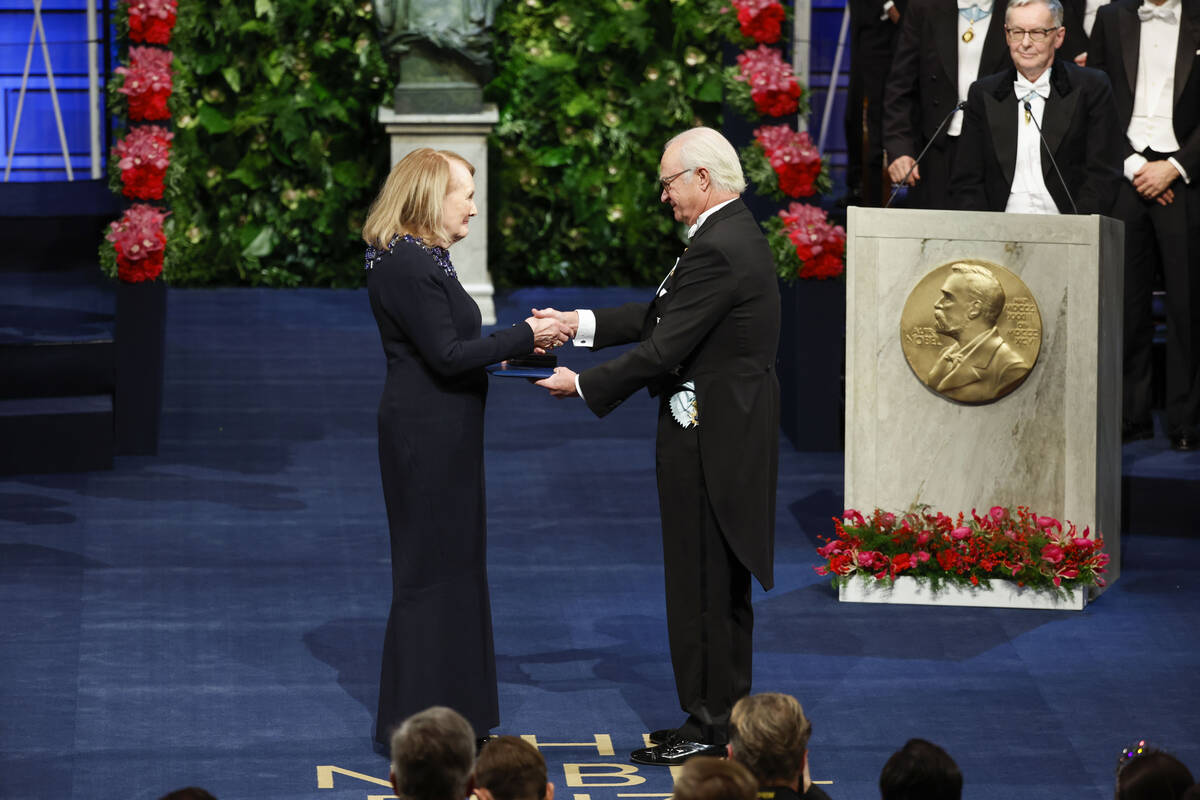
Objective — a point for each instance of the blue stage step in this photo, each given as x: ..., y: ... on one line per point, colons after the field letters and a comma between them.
x: 56, y: 434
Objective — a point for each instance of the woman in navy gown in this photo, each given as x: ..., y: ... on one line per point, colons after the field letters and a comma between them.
x: 438, y: 646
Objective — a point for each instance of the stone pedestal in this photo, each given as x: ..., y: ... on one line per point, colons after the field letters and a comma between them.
x: 1052, y: 444
x: 465, y: 134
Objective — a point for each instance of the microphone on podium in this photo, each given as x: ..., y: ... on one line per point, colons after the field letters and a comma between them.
x: 958, y: 107
x: 1067, y: 189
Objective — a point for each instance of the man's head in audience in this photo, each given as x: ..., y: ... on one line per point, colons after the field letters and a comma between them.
x: 1146, y: 773
x: 432, y: 755
x: 920, y: 771
x: 510, y: 768
x: 769, y: 733
x: 708, y: 778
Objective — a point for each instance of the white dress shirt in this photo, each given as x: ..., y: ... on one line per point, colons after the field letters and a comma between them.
x: 1151, y: 124
x: 1089, y: 14
x: 969, y: 55
x: 1028, y: 194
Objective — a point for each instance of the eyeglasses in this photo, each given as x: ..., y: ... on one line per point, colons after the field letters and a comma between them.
x: 665, y: 183
x: 1036, y: 35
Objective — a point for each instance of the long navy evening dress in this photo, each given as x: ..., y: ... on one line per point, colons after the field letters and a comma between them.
x: 438, y: 647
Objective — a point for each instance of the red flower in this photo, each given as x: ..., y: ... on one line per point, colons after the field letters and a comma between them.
x: 853, y: 516
x: 773, y: 86
x: 148, y: 83
x: 151, y: 21
x: 139, y: 241
x: 819, y: 245
x: 144, y: 155
x: 1052, y: 553
x: 760, y: 19
x: 961, y: 532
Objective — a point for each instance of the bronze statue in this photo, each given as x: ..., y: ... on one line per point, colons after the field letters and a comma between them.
x: 442, y: 50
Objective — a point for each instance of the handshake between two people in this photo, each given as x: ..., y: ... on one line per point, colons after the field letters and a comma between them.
x: 551, y: 329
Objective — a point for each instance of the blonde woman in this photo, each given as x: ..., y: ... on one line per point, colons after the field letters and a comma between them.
x: 438, y: 646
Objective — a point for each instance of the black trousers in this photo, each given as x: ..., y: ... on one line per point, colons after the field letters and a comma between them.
x: 1167, y: 238
x: 710, y: 621
x: 871, y: 45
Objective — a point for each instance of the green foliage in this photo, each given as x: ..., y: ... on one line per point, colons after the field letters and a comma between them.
x: 787, y: 262
x: 589, y: 91
x: 277, y: 154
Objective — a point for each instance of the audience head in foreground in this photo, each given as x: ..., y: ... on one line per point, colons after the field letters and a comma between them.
x: 920, y: 771
x: 433, y: 752
x: 769, y: 733
x: 510, y: 768
x: 708, y: 778
x: 190, y: 793
x: 1146, y: 773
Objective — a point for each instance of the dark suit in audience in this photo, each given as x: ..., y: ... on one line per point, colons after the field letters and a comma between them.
x: 923, y: 87
x: 874, y: 25
x: 1080, y: 127
x: 1157, y: 91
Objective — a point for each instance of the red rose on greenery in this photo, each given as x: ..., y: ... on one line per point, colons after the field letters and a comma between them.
x: 819, y: 245
x: 139, y: 242
x: 148, y: 83
x: 761, y: 20
x: 773, y: 86
x: 144, y: 155
x: 1052, y: 553
x: 151, y: 21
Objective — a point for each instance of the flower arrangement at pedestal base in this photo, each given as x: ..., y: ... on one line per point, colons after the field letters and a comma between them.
x: 938, y: 550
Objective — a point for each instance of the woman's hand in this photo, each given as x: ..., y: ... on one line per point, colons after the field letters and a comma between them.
x: 548, y: 333
x: 568, y: 318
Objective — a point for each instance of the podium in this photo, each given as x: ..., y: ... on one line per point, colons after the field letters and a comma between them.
x: 1051, y: 438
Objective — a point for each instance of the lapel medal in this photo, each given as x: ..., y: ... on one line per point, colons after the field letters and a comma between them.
x: 683, y: 406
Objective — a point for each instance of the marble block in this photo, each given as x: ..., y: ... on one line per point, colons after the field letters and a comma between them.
x: 1054, y: 443
x: 465, y: 134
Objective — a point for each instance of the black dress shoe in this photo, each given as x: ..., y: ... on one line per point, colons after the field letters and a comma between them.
x: 674, y: 752
x: 662, y: 735
x: 1184, y: 442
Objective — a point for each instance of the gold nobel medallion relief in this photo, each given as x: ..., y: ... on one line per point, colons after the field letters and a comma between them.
x: 971, y: 331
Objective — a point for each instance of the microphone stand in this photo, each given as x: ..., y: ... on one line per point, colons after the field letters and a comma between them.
x: 1032, y: 116
x: 958, y: 107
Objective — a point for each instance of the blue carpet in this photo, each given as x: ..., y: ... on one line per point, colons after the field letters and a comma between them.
x: 213, y: 616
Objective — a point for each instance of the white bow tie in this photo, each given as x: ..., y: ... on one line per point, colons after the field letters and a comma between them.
x: 1025, y: 90
x: 1148, y: 11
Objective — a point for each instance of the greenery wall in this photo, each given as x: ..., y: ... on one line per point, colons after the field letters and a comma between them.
x: 276, y: 154
x: 589, y: 91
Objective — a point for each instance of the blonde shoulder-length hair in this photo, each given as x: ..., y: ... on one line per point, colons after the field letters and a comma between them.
x: 411, y: 198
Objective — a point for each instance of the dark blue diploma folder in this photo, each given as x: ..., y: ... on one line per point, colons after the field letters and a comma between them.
x: 509, y: 371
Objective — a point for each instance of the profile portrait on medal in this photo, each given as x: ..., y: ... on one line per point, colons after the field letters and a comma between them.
x: 980, y: 363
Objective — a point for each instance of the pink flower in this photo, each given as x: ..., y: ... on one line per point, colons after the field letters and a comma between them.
x: 1048, y: 522
x: 866, y: 559
x: 961, y: 532
x: 821, y: 570
x: 923, y: 537
x: 998, y: 513
x: 921, y: 556
x: 853, y: 516
x: 1052, y: 553
x: 889, y: 519
x: 1082, y: 543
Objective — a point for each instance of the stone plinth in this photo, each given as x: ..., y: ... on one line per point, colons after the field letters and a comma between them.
x: 1052, y: 444
x: 465, y: 134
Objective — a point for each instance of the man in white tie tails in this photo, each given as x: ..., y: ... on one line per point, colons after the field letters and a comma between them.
x: 1151, y: 53
x: 1041, y: 137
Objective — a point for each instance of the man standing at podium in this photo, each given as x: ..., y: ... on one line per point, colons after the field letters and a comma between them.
x: 1042, y: 136
x: 1151, y: 52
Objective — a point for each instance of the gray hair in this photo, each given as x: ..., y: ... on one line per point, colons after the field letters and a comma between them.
x: 1056, y: 9
x: 433, y: 753
x: 707, y: 148
x: 983, y: 286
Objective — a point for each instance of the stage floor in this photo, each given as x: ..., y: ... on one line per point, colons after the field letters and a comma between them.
x: 213, y: 616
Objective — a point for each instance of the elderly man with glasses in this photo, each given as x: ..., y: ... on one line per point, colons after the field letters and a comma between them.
x: 705, y: 347
x: 1040, y: 137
